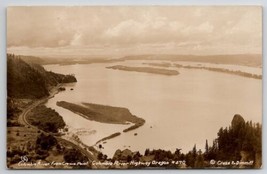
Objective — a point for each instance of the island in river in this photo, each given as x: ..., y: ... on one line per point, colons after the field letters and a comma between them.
x: 104, y: 114
x: 151, y: 70
x: 234, y: 72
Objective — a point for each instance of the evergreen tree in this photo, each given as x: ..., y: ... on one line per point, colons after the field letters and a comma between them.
x: 199, y: 163
x: 206, y: 147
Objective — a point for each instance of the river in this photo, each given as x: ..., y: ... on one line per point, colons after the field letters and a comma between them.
x: 180, y: 111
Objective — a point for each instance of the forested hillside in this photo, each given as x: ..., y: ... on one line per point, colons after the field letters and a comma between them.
x: 31, y: 81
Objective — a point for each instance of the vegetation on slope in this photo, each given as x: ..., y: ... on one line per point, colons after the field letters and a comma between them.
x: 31, y: 81
x: 27, y: 82
x: 46, y: 119
x: 241, y: 140
x: 42, y: 149
x: 23, y: 81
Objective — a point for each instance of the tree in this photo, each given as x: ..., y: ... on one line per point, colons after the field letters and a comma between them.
x: 45, y: 142
x: 137, y: 156
x: 194, y: 151
x: 199, y: 163
x: 206, y: 147
x: 74, y: 156
x: 147, y: 152
x: 100, y: 156
x: 129, y: 158
x: 191, y: 157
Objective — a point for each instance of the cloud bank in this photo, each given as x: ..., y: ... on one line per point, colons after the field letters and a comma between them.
x: 124, y: 30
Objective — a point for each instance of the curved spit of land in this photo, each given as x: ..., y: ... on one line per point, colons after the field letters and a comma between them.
x: 104, y: 114
x: 151, y: 70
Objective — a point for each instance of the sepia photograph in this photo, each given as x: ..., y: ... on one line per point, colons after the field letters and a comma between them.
x: 134, y: 87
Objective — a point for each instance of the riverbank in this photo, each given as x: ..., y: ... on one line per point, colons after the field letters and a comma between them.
x: 151, y: 70
x: 27, y: 139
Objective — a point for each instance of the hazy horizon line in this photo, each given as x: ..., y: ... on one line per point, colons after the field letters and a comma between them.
x: 130, y: 55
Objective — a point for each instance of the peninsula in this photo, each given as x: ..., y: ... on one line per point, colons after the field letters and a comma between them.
x: 104, y: 114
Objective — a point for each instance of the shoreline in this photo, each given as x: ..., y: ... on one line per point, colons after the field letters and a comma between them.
x: 105, y: 114
x: 109, y: 133
x: 91, y: 155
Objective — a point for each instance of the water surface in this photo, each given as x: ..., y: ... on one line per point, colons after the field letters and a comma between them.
x: 180, y: 111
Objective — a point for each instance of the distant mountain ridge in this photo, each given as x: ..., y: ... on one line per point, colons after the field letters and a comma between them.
x: 30, y: 80
x: 253, y: 60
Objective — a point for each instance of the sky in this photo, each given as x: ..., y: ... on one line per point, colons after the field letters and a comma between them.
x: 133, y: 30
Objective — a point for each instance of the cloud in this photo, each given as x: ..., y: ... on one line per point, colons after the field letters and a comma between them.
x: 128, y: 27
x: 76, y: 41
x: 147, y: 29
x: 143, y: 31
x: 205, y: 27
